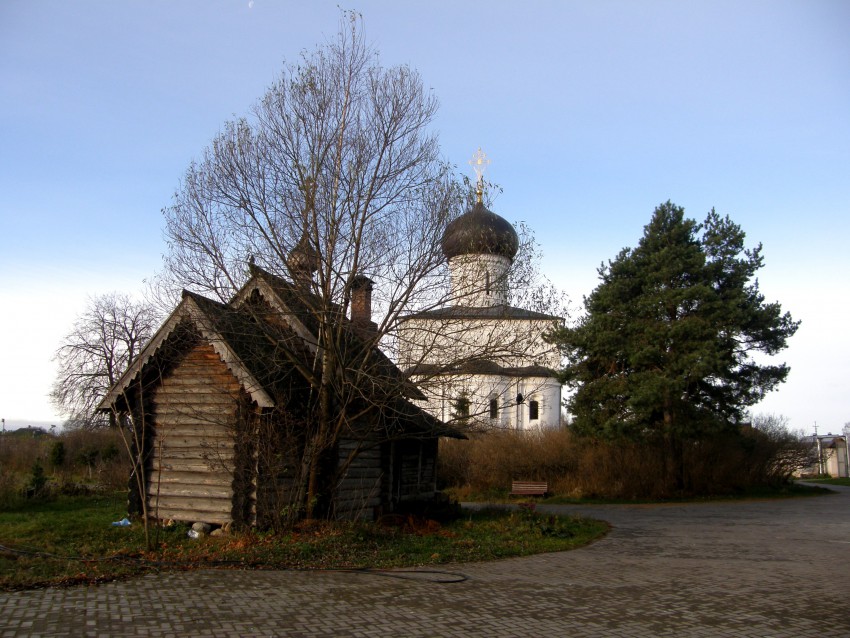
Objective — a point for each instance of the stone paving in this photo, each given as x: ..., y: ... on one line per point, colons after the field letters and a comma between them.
x: 763, y: 568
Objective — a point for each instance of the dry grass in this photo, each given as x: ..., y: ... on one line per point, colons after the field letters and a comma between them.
x: 583, y: 468
x: 91, y: 460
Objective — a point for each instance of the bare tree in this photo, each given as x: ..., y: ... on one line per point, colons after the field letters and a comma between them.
x: 779, y: 453
x: 104, y: 339
x: 336, y: 176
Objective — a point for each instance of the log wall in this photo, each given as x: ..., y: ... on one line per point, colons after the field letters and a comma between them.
x: 191, y: 472
x: 416, y: 469
x: 358, y: 492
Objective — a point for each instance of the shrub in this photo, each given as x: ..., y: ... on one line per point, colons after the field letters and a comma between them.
x: 72, y: 456
x: 57, y: 454
x: 583, y: 467
x: 37, y: 483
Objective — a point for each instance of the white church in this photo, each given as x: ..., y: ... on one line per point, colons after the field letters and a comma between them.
x: 478, y: 359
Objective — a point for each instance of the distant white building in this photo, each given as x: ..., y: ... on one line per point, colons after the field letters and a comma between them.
x: 832, y: 456
x: 478, y: 357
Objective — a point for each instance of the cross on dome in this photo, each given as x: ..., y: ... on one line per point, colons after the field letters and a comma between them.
x: 479, y: 163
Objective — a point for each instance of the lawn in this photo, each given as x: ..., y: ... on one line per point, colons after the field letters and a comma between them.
x: 830, y: 481
x: 71, y: 541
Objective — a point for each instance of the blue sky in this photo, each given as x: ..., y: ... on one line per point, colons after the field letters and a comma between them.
x: 592, y: 113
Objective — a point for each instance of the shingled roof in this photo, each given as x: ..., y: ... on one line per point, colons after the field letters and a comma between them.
x: 300, y: 308
x: 260, y: 352
x: 500, y: 312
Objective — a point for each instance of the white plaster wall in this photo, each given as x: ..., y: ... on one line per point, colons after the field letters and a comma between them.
x: 479, y: 281
x: 510, y: 343
x: 443, y: 393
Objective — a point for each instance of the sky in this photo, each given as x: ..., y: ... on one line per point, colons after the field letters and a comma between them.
x: 592, y: 113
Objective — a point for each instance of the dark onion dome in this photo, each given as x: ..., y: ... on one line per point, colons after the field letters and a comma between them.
x: 480, y: 231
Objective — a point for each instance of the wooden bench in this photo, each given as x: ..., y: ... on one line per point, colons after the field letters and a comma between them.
x: 529, y: 488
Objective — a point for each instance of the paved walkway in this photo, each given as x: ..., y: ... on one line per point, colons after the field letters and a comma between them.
x: 765, y: 568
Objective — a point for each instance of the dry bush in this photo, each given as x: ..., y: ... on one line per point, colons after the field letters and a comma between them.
x: 581, y: 467
x: 11, y: 486
x: 606, y: 470
x: 91, y: 457
x: 18, y: 456
x: 98, y: 456
x: 18, y: 453
x: 490, y: 461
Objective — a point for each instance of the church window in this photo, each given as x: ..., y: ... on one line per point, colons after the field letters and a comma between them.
x: 533, y: 410
x: 494, y: 408
x: 487, y: 281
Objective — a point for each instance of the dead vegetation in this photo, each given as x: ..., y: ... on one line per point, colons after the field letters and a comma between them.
x: 586, y: 468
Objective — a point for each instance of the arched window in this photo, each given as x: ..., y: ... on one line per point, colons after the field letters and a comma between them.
x: 487, y: 281
x: 494, y: 408
x: 533, y: 410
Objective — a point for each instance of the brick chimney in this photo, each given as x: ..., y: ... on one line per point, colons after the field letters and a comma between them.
x: 361, y: 306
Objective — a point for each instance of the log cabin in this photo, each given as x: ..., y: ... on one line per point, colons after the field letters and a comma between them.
x: 222, y: 405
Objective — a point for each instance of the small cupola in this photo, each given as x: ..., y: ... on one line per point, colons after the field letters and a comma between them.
x: 303, y: 260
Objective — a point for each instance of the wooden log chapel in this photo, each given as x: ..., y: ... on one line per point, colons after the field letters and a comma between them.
x: 223, y: 409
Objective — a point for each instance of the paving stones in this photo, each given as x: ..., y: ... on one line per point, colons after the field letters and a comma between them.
x: 766, y: 568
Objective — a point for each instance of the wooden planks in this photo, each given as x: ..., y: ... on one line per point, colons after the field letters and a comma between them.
x: 359, y: 491
x: 193, y: 448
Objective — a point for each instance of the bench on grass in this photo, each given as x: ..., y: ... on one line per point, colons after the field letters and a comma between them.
x: 529, y: 488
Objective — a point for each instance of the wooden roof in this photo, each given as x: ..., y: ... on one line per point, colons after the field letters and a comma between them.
x: 257, y: 350
x: 206, y: 317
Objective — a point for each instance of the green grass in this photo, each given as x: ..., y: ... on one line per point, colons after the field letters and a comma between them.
x: 830, y: 481
x: 72, y: 541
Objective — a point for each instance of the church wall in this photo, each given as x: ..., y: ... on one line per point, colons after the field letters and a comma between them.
x: 480, y: 359
x: 479, y: 281
x: 444, y: 392
x: 510, y: 343
x: 547, y: 393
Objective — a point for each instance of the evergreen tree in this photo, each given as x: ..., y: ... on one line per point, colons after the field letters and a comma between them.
x: 665, y: 350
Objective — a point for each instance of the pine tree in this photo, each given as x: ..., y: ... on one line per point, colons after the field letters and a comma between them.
x: 664, y: 353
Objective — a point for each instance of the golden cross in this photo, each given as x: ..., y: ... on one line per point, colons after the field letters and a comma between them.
x: 479, y: 163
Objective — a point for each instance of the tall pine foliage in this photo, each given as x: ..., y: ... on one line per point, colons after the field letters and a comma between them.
x: 668, y: 349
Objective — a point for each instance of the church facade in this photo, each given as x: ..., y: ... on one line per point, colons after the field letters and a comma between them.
x: 480, y: 361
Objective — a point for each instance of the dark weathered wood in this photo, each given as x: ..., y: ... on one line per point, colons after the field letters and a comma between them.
x: 194, y: 447
x: 191, y: 510
x: 193, y: 454
x: 207, y: 457
x: 198, y: 405
x: 358, y: 492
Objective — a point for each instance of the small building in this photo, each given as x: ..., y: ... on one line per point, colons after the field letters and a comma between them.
x: 831, y: 454
x: 222, y: 402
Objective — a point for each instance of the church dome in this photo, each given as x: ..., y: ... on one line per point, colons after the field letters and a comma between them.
x: 480, y: 232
